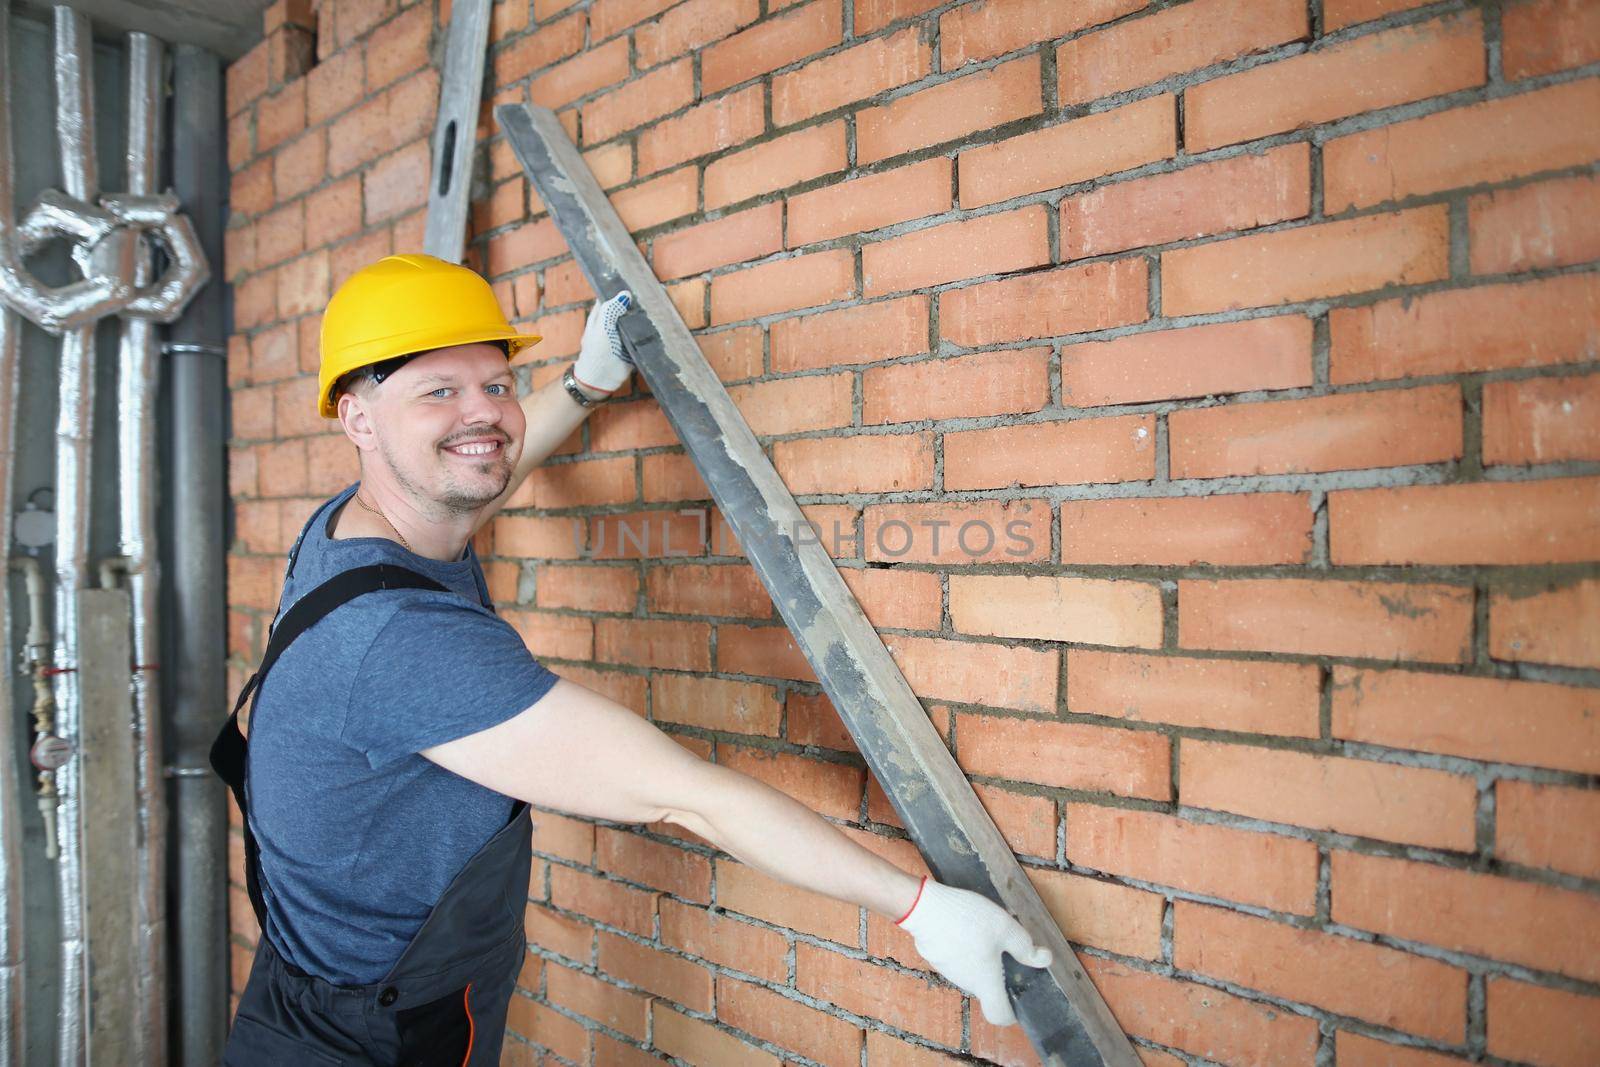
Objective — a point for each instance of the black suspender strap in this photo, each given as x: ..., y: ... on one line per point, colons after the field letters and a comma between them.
x: 229, y: 750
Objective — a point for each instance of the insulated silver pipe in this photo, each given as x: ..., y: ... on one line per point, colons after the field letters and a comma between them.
x: 74, y: 426
x: 137, y: 384
x: 198, y: 676
x: 12, y: 930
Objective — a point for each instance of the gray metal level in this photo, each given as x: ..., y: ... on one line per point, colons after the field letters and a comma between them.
x: 455, y: 130
x: 1059, y: 1008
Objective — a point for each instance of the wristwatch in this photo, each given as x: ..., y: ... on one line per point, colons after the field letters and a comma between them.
x: 570, y: 381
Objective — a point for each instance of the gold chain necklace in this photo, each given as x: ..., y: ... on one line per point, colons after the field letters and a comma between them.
x: 385, y: 518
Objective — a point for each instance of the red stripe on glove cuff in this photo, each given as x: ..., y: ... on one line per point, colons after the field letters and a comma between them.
x: 914, y: 900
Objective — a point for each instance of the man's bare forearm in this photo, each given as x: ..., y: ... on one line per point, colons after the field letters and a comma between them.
x: 780, y: 836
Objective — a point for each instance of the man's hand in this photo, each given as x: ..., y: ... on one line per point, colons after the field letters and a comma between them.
x: 601, y: 365
x: 963, y: 934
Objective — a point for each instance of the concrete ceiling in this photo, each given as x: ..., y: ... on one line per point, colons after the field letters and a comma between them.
x: 226, y: 27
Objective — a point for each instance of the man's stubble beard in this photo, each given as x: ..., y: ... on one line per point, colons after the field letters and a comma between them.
x: 456, y: 500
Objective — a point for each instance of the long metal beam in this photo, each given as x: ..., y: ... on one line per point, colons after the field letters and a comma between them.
x: 456, y: 130
x: 1059, y: 1008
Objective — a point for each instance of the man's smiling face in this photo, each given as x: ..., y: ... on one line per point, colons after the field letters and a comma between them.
x: 449, y: 427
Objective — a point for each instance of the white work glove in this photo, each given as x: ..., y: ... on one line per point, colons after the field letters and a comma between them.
x: 963, y: 934
x: 601, y: 365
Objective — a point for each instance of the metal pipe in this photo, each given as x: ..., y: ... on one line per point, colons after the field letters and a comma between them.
x: 74, y: 427
x: 137, y: 384
x: 199, y: 675
x: 13, y: 961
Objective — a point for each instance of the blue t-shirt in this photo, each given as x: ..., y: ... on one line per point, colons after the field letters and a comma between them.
x: 359, y: 835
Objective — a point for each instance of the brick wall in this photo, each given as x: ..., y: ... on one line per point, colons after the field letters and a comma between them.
x: 1272, y: 327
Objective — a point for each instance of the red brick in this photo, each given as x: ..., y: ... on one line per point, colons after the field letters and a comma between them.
x: 1338, y: 14
x: 794, y: 405
x: 735, y: 238
x: 335, y: 84
x: 1229, y: 357
x: 281, y: 234
x: 776, y: 42
x: 356, y: 17
x: 1549, y: 521
x: 870, y: 202
x: 1555, y: 624
x: 246, y: 78
x: 746, y: 890
x: 1209, y: 1022
x: 673, y: 978
x: 402, y: 114
x: 1549, y: 224
x: 251, y: 190
x: 831, y: 789
x: 1238, y: 695
x: 537, y: 50
x: 1489, y: 142
x: 734, y: 354
x: 1487, y: 327
x: 1538, y: 1025
x: 1375, y: 71
x: 545, y: 1026
x: 607, y: 17
x: 1267, y: 870
x: 1070, y: 152
x: 1237, y: 193
x: 853, y: 74
x: 870, y: 990
x: 694, y: 1041
x: 586, y: 588
x: 1490, y: 719
x: 1345, y: 431
x: 978, y: 31
x: 862, y: 463
x: 658, y: 200
x: 862, y: 334
x: 1307, y: 262
x: 587, y: 482
x: 1104, y: 915
x: 241, y: 139
x: 951, y: 110
x: 334, y: 212
x: 874, y: 15
x: 1091, y: 611
x: 1068, y: 300
x: 905, y: 600
x: 394, y: 185
x: 706, y: 589
x: 1144, y: 50
x: 1354, y: 1049
x: 1067, y: 755
x: 301, y: 165
x: 587, y: 73
x: 827, y: 1039
x: 977, y: 672
x: 954, y: 251
x: 653, y: 643
x: 558, y: 835
x: 1411, y: 805
x: 537, y: 537
x: 782, y: 285
x: 399, y: 47
x: 690, y: 26
x: 657, y: 533
x: 776, y: 164
x: 644, y: 99
x: 985, y: 383
x: 1547, y: 826
x: 1339, y: 974
x: 1540, y: 926
x: 963, y: 532
x: 611, y: 1005
x: 1544, y: 36
x: 1117, y: 449
x: 1237, y: 529
x: 653, y: 864
x: 1541, y: 420
x: 280, y: 116
x: 710, y: 127
x: 639, y: 424
x: 723, y: 939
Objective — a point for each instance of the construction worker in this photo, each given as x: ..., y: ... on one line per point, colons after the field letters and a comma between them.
x: 386, y: 769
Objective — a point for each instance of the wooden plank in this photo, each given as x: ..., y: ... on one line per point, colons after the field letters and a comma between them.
x: 1059, y: 1008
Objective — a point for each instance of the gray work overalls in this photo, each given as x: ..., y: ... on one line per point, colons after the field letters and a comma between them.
x: 443, y: 1003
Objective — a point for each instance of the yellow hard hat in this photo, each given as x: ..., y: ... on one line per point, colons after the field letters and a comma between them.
x: 402, y: 305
